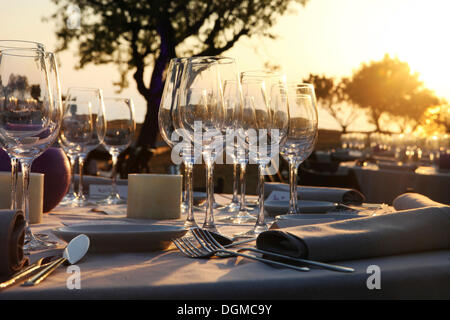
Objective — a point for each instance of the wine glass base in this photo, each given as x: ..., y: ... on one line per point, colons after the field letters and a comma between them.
x: 252, y: 233
x: 240, y: 218
x: 34, y: 244
x: 189, y: 224
x: 231, y: 208
x: 210, y: 227
x: 112, y: 200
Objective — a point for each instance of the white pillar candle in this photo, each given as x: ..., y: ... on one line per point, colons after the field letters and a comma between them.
x: 36, y: 194
x: 154, y: 196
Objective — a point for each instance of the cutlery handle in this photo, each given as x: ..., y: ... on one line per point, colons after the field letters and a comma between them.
x: 20, y: 275
x: 43, y: 273
x: 310, y: 262
x: 266, y: 261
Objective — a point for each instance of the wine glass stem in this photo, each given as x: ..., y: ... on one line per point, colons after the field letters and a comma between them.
x: 235, y: 198
x: 293, y: 171
x: 242, y: 207
x: 115, y: 158
x: 209, y: 217
x: 260, y: 219
x: 26, y: 168
x: 81, y: 159
x: 189, y: 192
x: 14, y: 178
x: 73, y: 160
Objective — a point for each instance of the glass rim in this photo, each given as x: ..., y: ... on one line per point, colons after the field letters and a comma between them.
x: 261, y: 73
x: 85, y: 89
x: 39, y: 44
x: 22, y: 52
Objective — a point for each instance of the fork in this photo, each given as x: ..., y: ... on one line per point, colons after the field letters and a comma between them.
x: 210, y: 247
x: 206, y: 234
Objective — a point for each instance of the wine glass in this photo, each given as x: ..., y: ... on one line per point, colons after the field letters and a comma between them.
x: 201, y: 111
x: 265, y: 116
x: 76, y: 132
x: 94, y: 98
x: 72, y: 154
x: 302, y: 133
x: 232, y: 100
x: 169, y: 126
x: 30, y: 118
x: 119, y: 133
x: 17, y: 44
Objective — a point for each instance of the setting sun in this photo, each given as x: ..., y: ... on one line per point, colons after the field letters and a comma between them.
x: 414, y: 32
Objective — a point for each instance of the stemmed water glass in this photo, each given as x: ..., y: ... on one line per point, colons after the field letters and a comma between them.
x: 94, y: 98
x: 302, y: 133
x: 265, y: 116
x: 119, y: 133
x: 171, y: 131
x: 30, y: 116
x: 72, y: 154
x: 17, y: 44
x: 202, y: 117
x: 232, y: 101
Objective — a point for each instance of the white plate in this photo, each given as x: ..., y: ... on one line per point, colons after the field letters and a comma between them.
x: 275, y: 207
x: 123, y: 237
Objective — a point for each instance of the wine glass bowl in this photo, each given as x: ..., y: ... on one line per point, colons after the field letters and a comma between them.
x: 92, y: 98
x: 119, y: 133
x: 30, y: 115
x: 302, y: 134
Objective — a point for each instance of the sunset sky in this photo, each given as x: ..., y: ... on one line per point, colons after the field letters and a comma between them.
x: 330, y: 37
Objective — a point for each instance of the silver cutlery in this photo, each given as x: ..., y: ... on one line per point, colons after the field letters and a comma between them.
x: 304, y: 261
x: 74, y: 251
x: 328, y: 266
x: 210, y: 247
x: 41, y: 263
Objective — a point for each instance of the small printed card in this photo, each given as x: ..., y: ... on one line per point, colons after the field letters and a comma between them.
x: 103, y: 190
x: 278, y: 196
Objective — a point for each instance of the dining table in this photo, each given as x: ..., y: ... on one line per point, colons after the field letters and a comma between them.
x: 381, y: 183
x: 169, y: 275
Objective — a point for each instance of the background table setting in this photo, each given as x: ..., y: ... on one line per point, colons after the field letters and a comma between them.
x: 70, y: 237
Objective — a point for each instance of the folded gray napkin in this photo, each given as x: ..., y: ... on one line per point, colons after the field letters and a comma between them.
x: 394, y: 233
x: 412, y: 201
x: 339, y: 195
x: 12, y: 234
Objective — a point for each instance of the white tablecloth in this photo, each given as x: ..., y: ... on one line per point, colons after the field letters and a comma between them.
x: 170, y: 275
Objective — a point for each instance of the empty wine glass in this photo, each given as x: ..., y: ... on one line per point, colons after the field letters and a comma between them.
x: 201, y: 111
x: 119, y: 133
x: 72, y: 154
x: 302, y: 133
x: 76, y: 131
x: 266, y: 116
x: 232, y: 100
x: 29, y: 118
x: 169, y: 126
x: 94, y: 98
x: 17, y: 44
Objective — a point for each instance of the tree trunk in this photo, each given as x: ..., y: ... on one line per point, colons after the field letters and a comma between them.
x: 137, y: 158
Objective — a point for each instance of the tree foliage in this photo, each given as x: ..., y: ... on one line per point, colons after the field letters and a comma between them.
x: 139, y: 34
x: 388, y: 87
x: 332, y: 97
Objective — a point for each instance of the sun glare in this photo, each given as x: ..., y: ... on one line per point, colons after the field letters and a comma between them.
x: 416, y: 33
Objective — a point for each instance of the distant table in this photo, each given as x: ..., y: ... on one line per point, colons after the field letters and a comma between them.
x: 170, y: 275
x: 381, y: 185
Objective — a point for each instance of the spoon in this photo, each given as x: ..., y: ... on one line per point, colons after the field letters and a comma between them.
x: 74, y: 252
x: 26, y: 271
